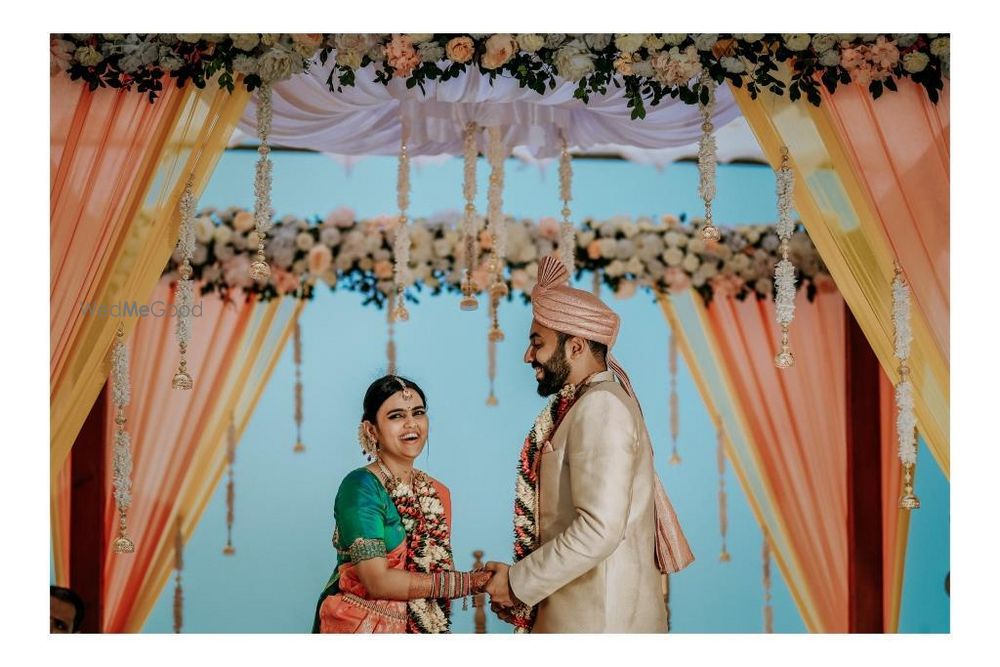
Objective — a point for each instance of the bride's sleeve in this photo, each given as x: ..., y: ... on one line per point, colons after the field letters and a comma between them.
x: 360, y: 515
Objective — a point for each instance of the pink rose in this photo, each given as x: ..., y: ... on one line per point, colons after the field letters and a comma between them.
x: 594, y: 249
x: 284, y: 281
x: 676, y: 279
x: 310, y: 39
x: 499, y: 49
x: 549, y: 228
x: 626, y: 289
x: 852, y: 58
x: 342, y: 217
x: 383, y: 269
x: 460, y: 49
x: 726, y: 286
x: 481, y: 277
x: 401, y: 55
x: 236, y: 271
x: 243, y: 221
x: 884, y: 53
x: 319, y: 259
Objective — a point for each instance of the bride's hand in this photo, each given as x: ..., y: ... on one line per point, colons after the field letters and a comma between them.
x: 479, y: 580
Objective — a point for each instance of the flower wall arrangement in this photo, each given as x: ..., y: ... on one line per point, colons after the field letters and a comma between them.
x: 648, y: 66
x: 659, y: 255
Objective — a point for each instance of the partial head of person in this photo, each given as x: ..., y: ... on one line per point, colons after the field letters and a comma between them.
x: 394, y: 422
x: 65, y: 610
x: 571, y: 333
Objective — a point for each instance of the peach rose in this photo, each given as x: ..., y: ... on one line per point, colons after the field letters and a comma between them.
x: 485, y: 240
x: 342, y: 217
x: 401, y: 55
x: 319, y: 259
x: 626, y: 289
x: 243, y: 221
x: 519, y: 279
x: 594, y: 249
x: 307, y: 43
x: 499, y: 49
x: 548, y: 228
x: 460, y: 49
x: 676, y: 279
x: 383, y: 270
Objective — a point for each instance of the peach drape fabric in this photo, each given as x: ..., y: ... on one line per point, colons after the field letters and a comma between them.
x: 118, y: 167
x: 786, y: 435
x: 872, y: 187
x: 179, y: 436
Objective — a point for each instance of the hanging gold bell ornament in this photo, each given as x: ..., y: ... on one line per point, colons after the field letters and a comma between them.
x: 784, y: 358
x: 260, y: 270
x: 182, y: 379
x: 469, y: 289
x: 909, y: 500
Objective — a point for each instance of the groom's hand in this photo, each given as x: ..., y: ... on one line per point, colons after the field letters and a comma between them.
x: 498, y: 587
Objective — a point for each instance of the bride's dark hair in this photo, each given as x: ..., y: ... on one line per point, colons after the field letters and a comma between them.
x: 381, y: 389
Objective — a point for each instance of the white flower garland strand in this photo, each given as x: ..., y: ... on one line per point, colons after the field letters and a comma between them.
x: 121, y: 395
x: 186, y: 244
x: 906, y: 420
x: 469, y: 228
x: 567, y: 232
x: 707, y: 160
x: 784, y: 270
x: 178, y: 588
x: 497, y: 153
x: 229, y: 550
x: 401, y: 242
x: 260, y: 270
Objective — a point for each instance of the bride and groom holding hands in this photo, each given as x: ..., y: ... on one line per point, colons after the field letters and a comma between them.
x: 593, y: 528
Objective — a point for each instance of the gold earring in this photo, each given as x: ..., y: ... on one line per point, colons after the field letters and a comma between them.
x: 369, y: 445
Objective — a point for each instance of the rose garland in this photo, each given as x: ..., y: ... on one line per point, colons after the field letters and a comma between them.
x: 649, y: 67
x: 428, y: 547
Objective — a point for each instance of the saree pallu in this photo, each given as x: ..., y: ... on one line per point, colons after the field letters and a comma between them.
x: 351, y: 612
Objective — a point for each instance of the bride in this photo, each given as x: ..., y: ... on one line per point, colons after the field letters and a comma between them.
x: 395, y: 571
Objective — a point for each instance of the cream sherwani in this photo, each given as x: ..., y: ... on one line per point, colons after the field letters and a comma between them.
x: 596, y: 568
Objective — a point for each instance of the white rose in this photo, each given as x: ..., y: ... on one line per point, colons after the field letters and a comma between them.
x: 751, y: 36
x: 200, y: 255
x: 733, y: 64
x: 696, y: 245
x: 242, y: 64
x: 574, y: 61
x: 204, y: 229
x: 615, y: 269
x: 420, y: 37
x: 690, y: 263
x: 625, y: 249
x: 634, y: 266
x: 430, y: 52
x: 223, y: 234
x: 705, y: 42
x: 642, y: 68
x: 698, y: 279
x: 245, y: 41
x: 283, y: 257
x: 607, y: 229
x: 672, y: 39
x: 224, y: 252
x: 941, y: 46
x: 442, y: 248
x: 673, y: 256
x: 915, y: 61
x: 797, y: 41
x: 554, y: 40
x: 904, y: 40
x: 304, y: 241
x: 329, y: 236
x: 88, y: 56
x: 210, y: 274
x: 583, y: 239
x: 598, y: 41
x: 764, y: 286
x: 130, y: 63
x: 530, y: 43
x: 609, y: 248
x: 629, y: 228
x: 829, y: 58
x: 189, y: 37
x: 709, y: 269
x: 823, y: 42
x: 846, y: 36
x: 275, y: 65
x: 629, y: 43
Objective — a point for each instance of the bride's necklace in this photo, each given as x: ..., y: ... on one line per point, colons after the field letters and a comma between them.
x: 392, y: 480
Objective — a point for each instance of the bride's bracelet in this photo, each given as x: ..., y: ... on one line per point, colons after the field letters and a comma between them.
x: 448, y: 584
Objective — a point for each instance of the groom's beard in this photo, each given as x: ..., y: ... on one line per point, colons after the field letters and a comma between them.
x: 555, y: 372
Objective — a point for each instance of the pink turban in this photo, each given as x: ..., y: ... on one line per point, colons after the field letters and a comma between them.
x: 575, y: 312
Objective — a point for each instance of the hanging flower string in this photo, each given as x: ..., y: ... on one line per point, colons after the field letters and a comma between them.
x: 469, y: 227
x: 498, y: 228
x: 491, y: 400
x: 390, y: 346
x: 185, y: 287
x: 229, y: 550
x: 665, y: 588
x: 675, y: 458
x: 720, y: 459
x: 707, y: 157
x: 784, y: 271
x: 123, y: 449
x: 178, y: 588
x: 768, y: 609
x: 401, y: 243
x: 567, y: 233
x: 297, y: 349
x: 906, y: 421
x: 260, y: 270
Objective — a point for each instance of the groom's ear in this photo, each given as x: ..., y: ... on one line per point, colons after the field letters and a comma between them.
x: 575, y: 346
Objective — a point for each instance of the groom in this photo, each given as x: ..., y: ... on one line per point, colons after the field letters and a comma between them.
x: 593, y: 528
